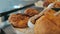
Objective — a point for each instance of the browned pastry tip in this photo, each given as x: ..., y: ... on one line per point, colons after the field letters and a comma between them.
x: 31, y: 11
x: 47, y: 2
x: 18, y: 20
x: 57, y: 4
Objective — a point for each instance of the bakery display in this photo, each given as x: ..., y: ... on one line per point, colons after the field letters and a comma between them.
x: 31, y: 11
x: 45, y: 22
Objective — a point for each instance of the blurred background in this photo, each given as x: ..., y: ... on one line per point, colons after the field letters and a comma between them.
x: 6, y: 5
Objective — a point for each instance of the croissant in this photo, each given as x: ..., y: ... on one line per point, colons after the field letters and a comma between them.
x: 47, y: 24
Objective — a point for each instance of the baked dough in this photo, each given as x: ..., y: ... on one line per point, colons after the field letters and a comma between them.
x: 18, y: 20
x: 31, y: 11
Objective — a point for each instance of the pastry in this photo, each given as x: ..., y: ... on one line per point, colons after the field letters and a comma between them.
x: 47, y: 2
x: 57, y: 5
x: 47, y: 24
x: 31, y: 11
x: 18, y: 20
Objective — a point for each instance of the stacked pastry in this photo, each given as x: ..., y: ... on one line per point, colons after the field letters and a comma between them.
x: 49, y: 23
x: 20, y: 20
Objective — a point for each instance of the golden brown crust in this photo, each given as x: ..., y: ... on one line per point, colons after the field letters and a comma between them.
x: 58, y: 16
x: 47, y: 2
x: 47, y: 24
x: 49, y: 11
x: 18, y: 20
x: 31, y: 11
x: 57, y: 5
